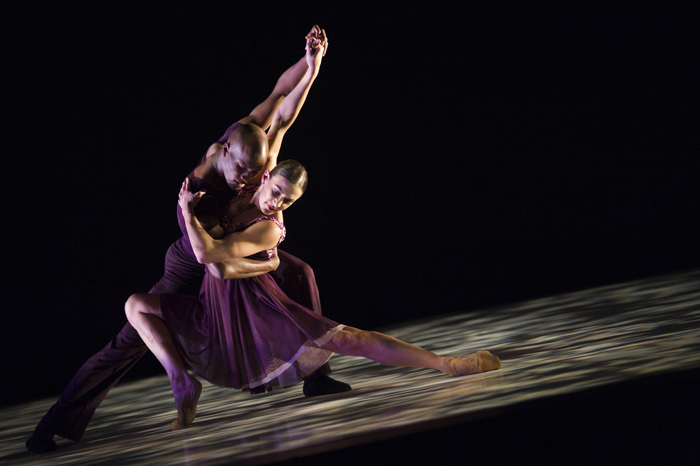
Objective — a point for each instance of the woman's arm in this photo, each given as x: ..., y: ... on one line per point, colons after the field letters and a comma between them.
x: 288, y: 111
x: 258, y: 237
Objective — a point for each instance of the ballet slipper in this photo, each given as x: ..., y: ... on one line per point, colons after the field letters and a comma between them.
x: 186, y: 403
x: 481, y: 361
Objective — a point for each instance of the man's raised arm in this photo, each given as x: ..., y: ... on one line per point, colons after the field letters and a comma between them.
x: 263, y: 113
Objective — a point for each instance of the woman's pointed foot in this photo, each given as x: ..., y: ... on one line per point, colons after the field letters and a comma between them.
x: 186, y: 399
x: 481, y: 361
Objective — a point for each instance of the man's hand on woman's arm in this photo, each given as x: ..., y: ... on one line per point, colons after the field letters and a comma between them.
x: 242, y: 268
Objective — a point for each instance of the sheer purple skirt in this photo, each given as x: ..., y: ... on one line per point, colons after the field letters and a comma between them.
x: 245, y: 333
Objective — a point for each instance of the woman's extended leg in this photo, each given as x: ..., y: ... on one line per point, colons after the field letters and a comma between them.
x: 390, y: 351
x: 143, y: 312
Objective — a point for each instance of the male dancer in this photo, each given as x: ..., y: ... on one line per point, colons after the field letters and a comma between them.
x: 224, y: 170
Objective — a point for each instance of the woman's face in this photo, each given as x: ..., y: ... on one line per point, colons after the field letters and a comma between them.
x: 276, y: 194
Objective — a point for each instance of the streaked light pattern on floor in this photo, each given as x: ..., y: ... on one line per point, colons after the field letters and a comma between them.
x: 549, y: 346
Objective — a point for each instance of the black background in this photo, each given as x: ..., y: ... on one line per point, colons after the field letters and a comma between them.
x: 459, y: 158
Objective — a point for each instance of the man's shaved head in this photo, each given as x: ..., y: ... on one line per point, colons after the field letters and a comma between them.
x: 250, y: 142
x: 245, y: 153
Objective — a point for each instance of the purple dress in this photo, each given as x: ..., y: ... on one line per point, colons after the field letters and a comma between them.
x: 245, y: 333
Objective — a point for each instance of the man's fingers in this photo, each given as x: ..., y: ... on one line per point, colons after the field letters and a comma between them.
x: 185, y: 186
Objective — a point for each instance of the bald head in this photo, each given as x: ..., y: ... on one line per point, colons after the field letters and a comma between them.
x: 244, y: 154
x: 249, y: 141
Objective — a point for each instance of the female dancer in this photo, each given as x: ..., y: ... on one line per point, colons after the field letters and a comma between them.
x: 246, y: 332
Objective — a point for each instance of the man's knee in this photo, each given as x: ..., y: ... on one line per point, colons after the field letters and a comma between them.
x: 307, y: 272
x: 302, y: 272
x: 293, y: 266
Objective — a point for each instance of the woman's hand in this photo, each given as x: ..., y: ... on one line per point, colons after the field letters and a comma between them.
x: 314, y: 55
x: 188, y: 200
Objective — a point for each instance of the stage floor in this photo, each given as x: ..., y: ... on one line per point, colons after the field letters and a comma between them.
x: 549, y: 347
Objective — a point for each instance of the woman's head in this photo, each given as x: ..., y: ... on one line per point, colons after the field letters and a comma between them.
x: 281, y: 187
x: 293, y: 171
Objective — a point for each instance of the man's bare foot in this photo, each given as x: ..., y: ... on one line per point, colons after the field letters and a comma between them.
x: 481, y: 361
x: 186, y: 399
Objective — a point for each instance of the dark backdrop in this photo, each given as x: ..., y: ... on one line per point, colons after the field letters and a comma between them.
x: 459, y: 158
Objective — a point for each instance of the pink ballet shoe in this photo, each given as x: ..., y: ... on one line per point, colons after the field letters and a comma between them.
x: 186, y: 403
x: 481, y: 361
